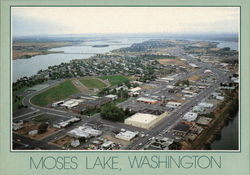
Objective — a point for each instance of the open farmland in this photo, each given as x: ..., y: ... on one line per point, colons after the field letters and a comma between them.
x: 56, y: 93
x: 115, y: 79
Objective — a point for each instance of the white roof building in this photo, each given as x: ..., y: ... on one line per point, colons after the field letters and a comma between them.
x: 136, y: 89
x: 172, y: 104
x: 111, y: 96
x: 107, y: 144
x: 75, y: 143
x: 193, y: 65
x: 190, y: 116
x: 71, y: 103
x: 127, y: 135
x: 143, y: 120
x: 205, y: 105
x: 84, y: 132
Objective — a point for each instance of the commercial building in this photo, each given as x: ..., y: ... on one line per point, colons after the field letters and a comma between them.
x: 127, y: 135
x: 111, y: 96
x: 205, y: 105
x: 190, y: 116
x: 134, y: 91
x: 172, y: 104
x: 204, y: 121
x: 198, y: 109
x: 84, y: 132
x: 147, y: 100
x: 17, y: 126
x: 143, y: 120
x: 95, y: 103
x: 71, y: 103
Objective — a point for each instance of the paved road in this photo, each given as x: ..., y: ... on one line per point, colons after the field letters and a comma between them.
x: 35, y: 143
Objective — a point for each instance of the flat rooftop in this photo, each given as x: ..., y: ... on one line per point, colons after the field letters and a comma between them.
x: 142, y: 118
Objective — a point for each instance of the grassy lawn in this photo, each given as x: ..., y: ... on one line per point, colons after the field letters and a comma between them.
x: 54, y: 94
x: 92, y: 83
x: 115, y: 79
x: 15, y: 101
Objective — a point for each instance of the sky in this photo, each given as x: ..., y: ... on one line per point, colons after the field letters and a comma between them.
x: 28, y: 21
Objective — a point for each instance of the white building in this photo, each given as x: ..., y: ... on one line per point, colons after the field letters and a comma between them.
x: 107, y: 144
x: 75, y: 143
x: 17, y: 126
x: 205, y: 105
x: 57, y: 103
x: 127, y: 135
x: 172, y: 104
x: 84, y: 132
x: 33, y: 132
x: 193, y: 65
x: 190, y: 116
x: 145, y: 121
x: 134, y: 91
x: 71, y: 103
x: 112, y: 97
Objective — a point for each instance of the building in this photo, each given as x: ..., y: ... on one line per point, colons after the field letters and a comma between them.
x: 95, y: 103
x: 58, y: 103
x: 205, y: 105
x: 172, y: 104
x: 193, y: 65
x: 190, y: 116
x: 147, y: 100
x: 134, y: 91
x: 204, y: 120
x: 75, y: 143
x: 207, y: 71
x: 198, y: 109
x: 71, y: 103
x: 127, y: 135
x: 17, y: 126
x: 84, y: 132
x: 66, y: 123
x: 33, y: 132
x: 143, y: 120
x: 107, y: 144
x: 111, y: 96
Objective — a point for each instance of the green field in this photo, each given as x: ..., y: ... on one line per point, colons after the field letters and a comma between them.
x: 54, y: 94
x: 115, y: 79
x: 92, y: 83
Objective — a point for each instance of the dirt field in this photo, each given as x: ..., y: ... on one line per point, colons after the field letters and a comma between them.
x: 194, y: 78
x: 32, y: 126
x: 171, y: 62
x: 63, y: 141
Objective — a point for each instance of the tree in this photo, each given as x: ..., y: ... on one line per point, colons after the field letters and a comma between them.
x: 43, y: 128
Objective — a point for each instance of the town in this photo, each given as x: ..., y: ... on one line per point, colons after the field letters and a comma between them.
x: 160, y: 94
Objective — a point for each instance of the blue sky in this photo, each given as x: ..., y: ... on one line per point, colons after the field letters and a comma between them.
x: 77, y: 20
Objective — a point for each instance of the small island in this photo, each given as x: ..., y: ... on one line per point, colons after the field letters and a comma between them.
x: 102, y: 45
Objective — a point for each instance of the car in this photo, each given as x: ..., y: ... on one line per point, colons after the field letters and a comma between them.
x: 140, y: 144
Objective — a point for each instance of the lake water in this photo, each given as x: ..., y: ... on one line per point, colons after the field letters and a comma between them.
x: 29, y: 67
x: 229, y: 137
x: 231, y: 44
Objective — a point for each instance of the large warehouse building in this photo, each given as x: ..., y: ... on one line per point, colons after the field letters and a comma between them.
x: 143, y: 120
